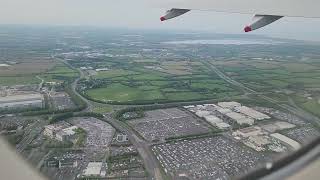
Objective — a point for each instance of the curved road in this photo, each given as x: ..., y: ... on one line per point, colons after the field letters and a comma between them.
x: 150, y: 162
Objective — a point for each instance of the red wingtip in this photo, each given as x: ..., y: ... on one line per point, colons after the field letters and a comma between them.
x: 247, y: 29
x: 162, y: 18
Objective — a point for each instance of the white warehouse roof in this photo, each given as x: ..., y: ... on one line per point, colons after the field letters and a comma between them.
x: 294, y: 144
x: 251, y: 113
x: 19, y: 98
x: 93, y: 169
x: 229, y: 104
x: 212, y: 119
x: 239, y: 118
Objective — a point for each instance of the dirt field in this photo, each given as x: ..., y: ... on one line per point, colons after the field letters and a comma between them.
x: 27, y: 68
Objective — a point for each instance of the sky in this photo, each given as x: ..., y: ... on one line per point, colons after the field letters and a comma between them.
x: 142, y: 14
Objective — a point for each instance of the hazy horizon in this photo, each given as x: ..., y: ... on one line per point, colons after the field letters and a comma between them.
x: 141, y: 14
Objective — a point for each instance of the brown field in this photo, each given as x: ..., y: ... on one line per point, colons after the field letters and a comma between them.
x: 264, y: 64
x: 27, y: 68
x: 229, y: 63
x: 177, y: 67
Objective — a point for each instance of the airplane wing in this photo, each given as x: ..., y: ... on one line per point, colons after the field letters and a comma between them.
x: 266, y: 11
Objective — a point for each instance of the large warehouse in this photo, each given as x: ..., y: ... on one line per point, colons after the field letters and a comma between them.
x: 22, y: 101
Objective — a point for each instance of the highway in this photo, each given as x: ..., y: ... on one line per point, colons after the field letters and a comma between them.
x: 291, y: 108
x: 150, y: 162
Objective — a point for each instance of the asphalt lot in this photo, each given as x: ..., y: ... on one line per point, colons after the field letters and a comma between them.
x: 206, y: 158
x: 164, y: 123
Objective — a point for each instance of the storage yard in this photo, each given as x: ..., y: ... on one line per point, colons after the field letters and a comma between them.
x: 22, y: 101
x: 99, y: 133
x: 203, y: 159
x: 164, y: 123
x: 225, y: 114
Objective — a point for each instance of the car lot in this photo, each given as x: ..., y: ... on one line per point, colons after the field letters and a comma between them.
x: 290, y: 118
x: 206, y: 158
x: 99, y: 133
x: 61, y: 100
x: 164, y: 123
x: 303, y: 134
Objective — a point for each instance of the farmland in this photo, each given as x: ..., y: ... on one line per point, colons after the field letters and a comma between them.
x: 280, y: 79
x: 181, y: 82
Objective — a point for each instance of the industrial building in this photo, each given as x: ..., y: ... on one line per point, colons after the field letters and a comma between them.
x: 229, y: 105
x: 249, y: 131
x: 251, y: 113
x: 22, y: 101
x: 67, y: 134
x: 239, y: 118
x: 294, y: 144
x: 53, y: 129
x: 95, y: 169
x: 201, y: 113
x: 215, y: 121
x: 61, y: 131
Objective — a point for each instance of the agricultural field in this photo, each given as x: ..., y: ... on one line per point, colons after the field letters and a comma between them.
x: 275, y: 74
x: 23, y: 72
x: 282, y: 80
x: 152, y: 82
x: 18, y: 80
x: 59, y: 73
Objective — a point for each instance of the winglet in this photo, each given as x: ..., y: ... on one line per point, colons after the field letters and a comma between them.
x: 172, y: 13
x: 260, y: 21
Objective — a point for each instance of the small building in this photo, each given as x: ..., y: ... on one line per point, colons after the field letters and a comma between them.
x: 122, y: 138
x: 67, y: 163
x: 102, y: 69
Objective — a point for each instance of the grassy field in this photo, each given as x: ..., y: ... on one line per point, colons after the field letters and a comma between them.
x: 18, y: 80
x: 276, y: 77
x: 59, y: 73
x: 121, y: 93
x: 151, y: 81
x: 113, y: 73
x: 310, y: 105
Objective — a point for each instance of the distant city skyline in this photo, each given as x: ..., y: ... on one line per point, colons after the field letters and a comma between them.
x: 141, y: 14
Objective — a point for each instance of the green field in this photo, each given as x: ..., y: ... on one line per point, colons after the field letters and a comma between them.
x: 113, y: 73
x: 296, y: 77
x: 121, y: 93
x: 18, y: 80
x: 144, y: 85
x: 60, y: 73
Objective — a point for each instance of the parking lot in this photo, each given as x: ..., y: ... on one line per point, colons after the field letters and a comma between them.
x: 206, y: 158
x: 99, y: 133
x: 164, y: 123
x: 303, y: 134
x: 61, y: 100
x: 290, y: 118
